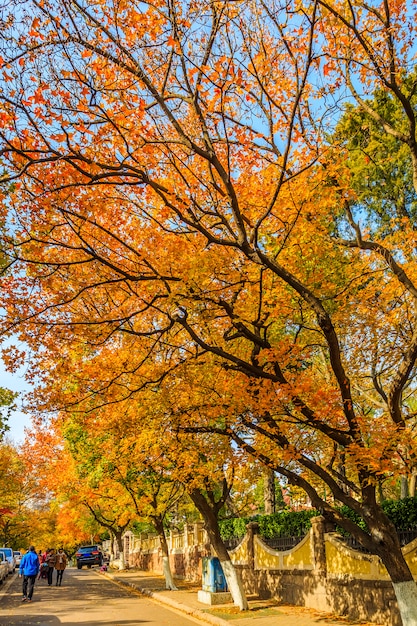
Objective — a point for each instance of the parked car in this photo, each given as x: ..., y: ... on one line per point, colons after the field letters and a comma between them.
x: 89, y: 555
x: 8, y: 553
x: 4, y: 567
x: 17, y: 556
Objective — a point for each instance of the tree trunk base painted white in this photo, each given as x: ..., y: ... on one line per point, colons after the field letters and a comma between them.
x: 166, y: 568
x: 235, y: 585
x: 406, y: 594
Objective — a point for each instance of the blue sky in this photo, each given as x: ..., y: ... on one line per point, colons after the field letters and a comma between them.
x: 16, y: 382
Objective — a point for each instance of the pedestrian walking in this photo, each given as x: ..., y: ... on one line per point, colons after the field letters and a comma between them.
x: 60, y: 565
x: 50, y: 559
x: 29, y: 568
x: 43, y: 565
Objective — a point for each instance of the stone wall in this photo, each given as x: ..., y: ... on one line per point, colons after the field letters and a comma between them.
x: 365, y: 600
x: 321, y: 572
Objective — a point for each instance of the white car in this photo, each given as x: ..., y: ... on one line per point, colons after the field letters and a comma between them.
x: 8, y: 553
x: 17, y: 556
x: 4, y: 567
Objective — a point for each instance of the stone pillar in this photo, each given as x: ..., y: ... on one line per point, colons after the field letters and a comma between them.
x: 252, y: 529
x: 197, y: 527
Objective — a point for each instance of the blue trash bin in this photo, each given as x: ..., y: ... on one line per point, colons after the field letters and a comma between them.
x: 213, y: 577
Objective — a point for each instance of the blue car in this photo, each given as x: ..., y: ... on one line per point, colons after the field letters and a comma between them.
x: 89, y: 555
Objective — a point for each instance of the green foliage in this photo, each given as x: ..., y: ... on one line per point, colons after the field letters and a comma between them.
x: 403, y: 513
x: 7, y: 405
x: 347, y: 512
x: 379, y: 163
x: 259, y: 495
x: 286, y: 523
x: 282, y: 524
x: 139, y: 527
x: 234, y: 527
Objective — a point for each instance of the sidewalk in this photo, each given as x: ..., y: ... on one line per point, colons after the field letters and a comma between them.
x: 261, y: 612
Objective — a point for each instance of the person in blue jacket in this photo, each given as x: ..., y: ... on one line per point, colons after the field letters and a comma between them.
x: 29, y: 568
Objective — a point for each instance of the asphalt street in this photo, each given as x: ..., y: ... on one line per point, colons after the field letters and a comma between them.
x: 84, y: 598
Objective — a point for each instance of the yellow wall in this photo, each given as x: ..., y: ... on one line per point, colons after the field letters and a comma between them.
x: 341, y: 560
x: 299, y: 557
x: 240, y: 555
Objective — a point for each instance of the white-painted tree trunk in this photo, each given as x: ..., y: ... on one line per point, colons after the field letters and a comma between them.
x: 122, y: 560
x: 166, y: 568
x: 406, y: 594
x: 235, y: 585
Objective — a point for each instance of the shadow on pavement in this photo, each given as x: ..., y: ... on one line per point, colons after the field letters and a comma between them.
x: 51, y: 620
x: 36, y: 620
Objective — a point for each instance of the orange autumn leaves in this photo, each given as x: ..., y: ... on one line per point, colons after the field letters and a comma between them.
x: 185, y: 231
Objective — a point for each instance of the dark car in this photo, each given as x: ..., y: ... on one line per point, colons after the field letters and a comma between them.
x: 89, y: 555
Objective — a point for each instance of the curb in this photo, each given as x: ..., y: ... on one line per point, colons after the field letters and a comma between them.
x: 158, y: 597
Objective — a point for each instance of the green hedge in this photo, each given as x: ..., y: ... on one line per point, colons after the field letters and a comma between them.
x: 286, y: 523
x: 282, y: 524
x: 234, y: 527
x: 403, y: 513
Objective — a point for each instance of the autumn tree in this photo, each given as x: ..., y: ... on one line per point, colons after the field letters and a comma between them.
x: 57, y: 514
x: 142, y: 448
x: 16, y: 489
x: 91, y: 485
x: 174, y: 186
x: 106, y: 450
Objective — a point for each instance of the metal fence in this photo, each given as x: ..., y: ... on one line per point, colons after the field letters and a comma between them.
x: 405, y: 536
x: 276, y: 543
x: 282, y: 543
x: 287, y: 543
x: 232, y: 542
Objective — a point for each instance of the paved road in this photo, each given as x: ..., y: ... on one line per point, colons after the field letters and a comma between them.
x: 84, y: 598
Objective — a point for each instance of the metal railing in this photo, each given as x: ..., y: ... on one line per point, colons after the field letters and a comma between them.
x: 282, y: 543
x: 405, y: 536
x: 232, y: 542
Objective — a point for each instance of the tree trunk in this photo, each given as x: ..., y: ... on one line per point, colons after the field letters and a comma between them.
x: 119, y: 542
x: 404, y: 487
x: 211, y: 524
x: 389, y: 550
x: 166, y: 566
x: 269, y: 492
x: 233, y: 579
x: 111, y: 545
x: 406, y: 594
x: 412, y: 485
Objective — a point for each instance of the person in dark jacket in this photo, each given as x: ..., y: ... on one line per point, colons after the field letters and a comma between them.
x: 60, y: 565
x: 29, y: 568
x: 50, y: 559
